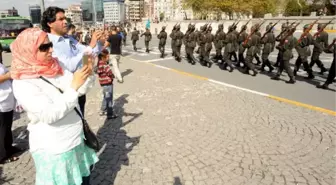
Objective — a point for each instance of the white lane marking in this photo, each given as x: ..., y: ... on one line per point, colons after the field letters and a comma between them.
x: 159, y: 59
x: 162, y: 67
x: 237, y: 87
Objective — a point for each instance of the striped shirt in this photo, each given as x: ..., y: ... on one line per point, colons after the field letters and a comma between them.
x: 104, y: 73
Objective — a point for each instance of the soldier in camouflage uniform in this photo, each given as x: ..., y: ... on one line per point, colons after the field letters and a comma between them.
x: 332, y: 70
x: 235, y: 44
x: 191, y: 44
x: 258, y: 45
x: 199, y: 34
x: 178, y: 36
x: 242, y: 37
x: 278, y: 39
x: 286, y: 45
x: 229, y: 48
x: 148, y: 38
x: 173, y: 40
x: 219, y: 42
x: 135, y: 38
x: 251, y: 45
x: 321, y: 42
x: 268, y: 42
x: 186, y: 35
x: 209, y: 38
x: 162, y: 36
x: 304, y: 52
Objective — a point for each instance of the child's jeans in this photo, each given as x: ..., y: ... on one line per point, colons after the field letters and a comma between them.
x: 107, y: 103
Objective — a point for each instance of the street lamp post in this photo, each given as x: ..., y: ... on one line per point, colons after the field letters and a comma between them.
x: 42, y: 6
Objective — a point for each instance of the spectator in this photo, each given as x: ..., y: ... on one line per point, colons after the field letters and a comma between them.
x: 1, y: 50
x: 55, y: 129
x: 114, y: 42
x: 7, y: 104
x: 72, y: 31
x: 68, y: 50
x: 106, y: 81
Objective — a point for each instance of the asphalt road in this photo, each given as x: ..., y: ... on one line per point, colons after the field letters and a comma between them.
x: 303, y: 91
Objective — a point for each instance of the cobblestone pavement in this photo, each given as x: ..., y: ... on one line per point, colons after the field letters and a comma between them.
x: 175, y: 129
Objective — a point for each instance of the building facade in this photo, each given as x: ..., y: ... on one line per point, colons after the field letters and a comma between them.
x: 171, y: 10
x: 92, y: 11
x: 135, y: 10
x: 74, y: 12
x: 35, y: 14
x: 114, y: 11
x: 9, y: 13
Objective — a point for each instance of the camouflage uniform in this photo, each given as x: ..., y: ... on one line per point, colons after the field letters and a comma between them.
x: 268, y: 42
x: 148, y: 37
x: 321, y: 42
x: 163, y: 38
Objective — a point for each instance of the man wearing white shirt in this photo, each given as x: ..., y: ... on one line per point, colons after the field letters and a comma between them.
x: 68, y: 50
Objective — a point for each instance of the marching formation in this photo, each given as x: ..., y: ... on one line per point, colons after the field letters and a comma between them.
x: 249, y: 47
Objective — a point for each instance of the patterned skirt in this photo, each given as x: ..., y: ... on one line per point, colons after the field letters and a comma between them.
x: 64, y: 169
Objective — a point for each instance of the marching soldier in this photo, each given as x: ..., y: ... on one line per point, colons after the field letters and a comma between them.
x: 268, y: 42
x: 235, y: 44
x: 186, y: 35
x: 258, y: 48
x: 148, y: 37
x: 279, y: 38
x: 251, y: 44
x: 332, y: 71
x: 178, y: 36
x: 321, y: 42
x: 191, y: 43
x: 286, y: 45
x: 219, y: 42
x: 173, y: 40
x: 199, y: 34
x: 229, y: 48
x: 123, y: 30
x: 209, y: 38
x: 242, y: 37
x: 233, y: 41
x: 135, y: 38
x: 304, y: 52
x: 163, y: 38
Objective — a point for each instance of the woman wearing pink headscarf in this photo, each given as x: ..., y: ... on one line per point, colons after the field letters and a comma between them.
x: 55, y: 129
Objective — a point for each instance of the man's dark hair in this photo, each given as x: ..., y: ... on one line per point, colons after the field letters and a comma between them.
x: 114, y: 28
x: 49, y: 16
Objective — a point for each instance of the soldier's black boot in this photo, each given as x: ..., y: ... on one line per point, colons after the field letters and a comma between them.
x: 295, y: 72
x: 291, y: 81
x: 323, y: 70
x: 276, y: 77
x: 323, y: 86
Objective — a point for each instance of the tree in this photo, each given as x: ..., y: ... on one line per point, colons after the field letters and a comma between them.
x: 162, y: 15
x: 68, y: 20
x: 296, y: 8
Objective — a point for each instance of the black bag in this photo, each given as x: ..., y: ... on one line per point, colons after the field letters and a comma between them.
x: 90, y: 139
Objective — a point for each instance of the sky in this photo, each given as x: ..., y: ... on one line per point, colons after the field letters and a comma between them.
x: 22, y: 5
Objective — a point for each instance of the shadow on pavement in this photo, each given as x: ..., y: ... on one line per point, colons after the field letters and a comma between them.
x: 21, y: 139
x: 116, y: 145
x: 127, y: 72
x: 177, y: 181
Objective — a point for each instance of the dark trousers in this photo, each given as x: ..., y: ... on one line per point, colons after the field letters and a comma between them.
x: 86, y: 180
x: 304, y: 61
x: 6, y: 137
x: 316, y: 59
x: 81, y: 102
x: 134, y: 44
x: 332, y: 72
x: 284, y: 65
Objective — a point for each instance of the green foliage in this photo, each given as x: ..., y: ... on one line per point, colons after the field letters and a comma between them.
x: 162, y: 16
x: 294, y: 9
x: 68, y: 20
x: 256, y: 7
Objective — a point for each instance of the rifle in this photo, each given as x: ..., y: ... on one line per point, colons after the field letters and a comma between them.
x: 289, y: 33
x: 330, y: 45
x: 250, y: 35
x: 245, y: 26
x: 324, y: 26
x: 269, y: 30
x: 235, y: 24
x: 308, y: 30
x: 283, y: 31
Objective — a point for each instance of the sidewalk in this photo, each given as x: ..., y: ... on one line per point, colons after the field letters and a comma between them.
x: 174, y: 129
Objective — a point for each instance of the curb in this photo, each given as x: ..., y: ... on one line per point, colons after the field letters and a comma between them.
x: 280, y: 99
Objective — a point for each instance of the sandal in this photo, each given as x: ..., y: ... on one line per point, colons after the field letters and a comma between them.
x: 9, y: 160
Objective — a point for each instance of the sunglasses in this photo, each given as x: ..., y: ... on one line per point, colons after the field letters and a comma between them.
x: 45, y: 47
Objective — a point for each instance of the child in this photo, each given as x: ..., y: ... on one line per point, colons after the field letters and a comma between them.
x: 106, y: 81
